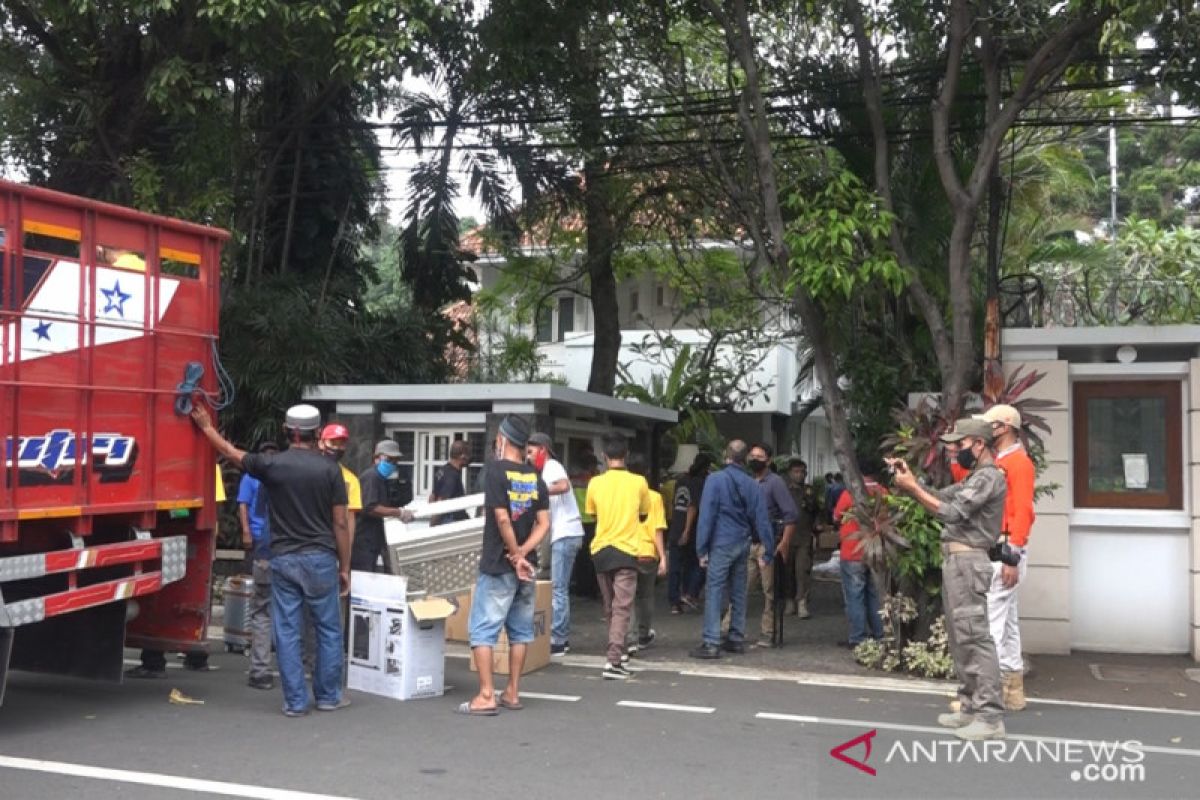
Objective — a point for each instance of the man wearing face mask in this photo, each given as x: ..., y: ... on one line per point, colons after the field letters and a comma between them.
x: 369, y: 541
x: 973, y: 513
x: 334, y: 439
x: 781, y: 510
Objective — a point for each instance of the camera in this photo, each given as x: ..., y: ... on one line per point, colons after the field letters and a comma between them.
x: 1002, y: 552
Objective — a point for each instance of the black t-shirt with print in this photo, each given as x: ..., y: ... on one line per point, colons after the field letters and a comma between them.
x: 687, y: 494
x: 302, y: 487
x: 518, y: 488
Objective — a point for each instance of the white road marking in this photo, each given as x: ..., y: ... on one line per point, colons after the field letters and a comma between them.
x: 894, y: 726
x: 133, y: 662
x: 666, y: 707
x: 562, y: 698
x: 155, y: 779
x: 695, y: 673
x: 1183, y: 712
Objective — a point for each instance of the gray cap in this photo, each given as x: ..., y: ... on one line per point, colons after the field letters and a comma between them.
x: 969, y: 426
x: 303, y: 418
x: 516, y: 430
x: 543, y: 440
x: 387, y: 447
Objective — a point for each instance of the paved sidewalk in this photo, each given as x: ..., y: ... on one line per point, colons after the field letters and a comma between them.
x: 810, y: 646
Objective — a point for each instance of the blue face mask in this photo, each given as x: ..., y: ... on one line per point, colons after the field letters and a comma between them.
x: 386, y: 469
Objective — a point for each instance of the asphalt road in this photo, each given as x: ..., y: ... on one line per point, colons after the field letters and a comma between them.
x: 662, y: 734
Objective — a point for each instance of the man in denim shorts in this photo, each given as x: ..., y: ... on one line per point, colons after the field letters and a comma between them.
x: 518, y: 517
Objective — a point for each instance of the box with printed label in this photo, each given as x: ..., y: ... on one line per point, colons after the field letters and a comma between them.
x: 537, y: 655
x: 397, y: 644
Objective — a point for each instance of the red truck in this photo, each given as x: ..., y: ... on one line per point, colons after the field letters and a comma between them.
x: 108, y: 325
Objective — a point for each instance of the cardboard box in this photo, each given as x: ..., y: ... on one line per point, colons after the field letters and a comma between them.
x: 397, y: 645
x: 537, y: 655
x: 457, y: 629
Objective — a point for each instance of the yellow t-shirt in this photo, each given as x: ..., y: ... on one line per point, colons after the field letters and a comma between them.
x: 353, y: 490
x: 656, y: 520
x: 220, y: 486
x: 617, y: 498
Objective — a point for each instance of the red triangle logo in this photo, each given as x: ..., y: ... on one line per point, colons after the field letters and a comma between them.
x: 839, y: 752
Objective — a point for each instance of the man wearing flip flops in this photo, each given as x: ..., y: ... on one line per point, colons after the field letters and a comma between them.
x: 517, y: 507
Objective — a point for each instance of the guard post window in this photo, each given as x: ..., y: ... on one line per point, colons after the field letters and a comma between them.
x: 1128, y: 444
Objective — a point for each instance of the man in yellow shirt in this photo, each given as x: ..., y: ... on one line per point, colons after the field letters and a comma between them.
x: 652, y: 560
x: 334, y: 439
x: 620, y: 501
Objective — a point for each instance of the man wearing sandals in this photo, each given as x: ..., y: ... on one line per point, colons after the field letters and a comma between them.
x: 517, y: 508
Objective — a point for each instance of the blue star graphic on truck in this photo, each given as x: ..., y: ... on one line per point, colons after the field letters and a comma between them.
x: 42, y: 331
x: 116, y: 299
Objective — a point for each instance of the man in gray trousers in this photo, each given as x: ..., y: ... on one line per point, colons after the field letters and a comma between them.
x: 973, y: 513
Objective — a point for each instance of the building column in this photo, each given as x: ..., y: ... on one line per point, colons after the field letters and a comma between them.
x: 1192, y: 420
x: 362, y: 420
x: 1046, y: 591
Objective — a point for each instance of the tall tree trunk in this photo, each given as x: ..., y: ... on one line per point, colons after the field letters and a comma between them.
x: 756, y: 127
x: 601, y: 241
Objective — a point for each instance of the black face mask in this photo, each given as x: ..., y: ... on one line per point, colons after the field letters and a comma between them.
x: 966, y: 458
x: 336, y: 455
x: 756, y: 466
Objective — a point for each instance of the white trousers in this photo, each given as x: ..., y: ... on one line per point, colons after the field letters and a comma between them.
x: 1003, y: 619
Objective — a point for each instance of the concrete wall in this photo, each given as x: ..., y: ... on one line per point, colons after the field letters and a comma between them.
x: 1046, y: 595
x: 1192, y: 420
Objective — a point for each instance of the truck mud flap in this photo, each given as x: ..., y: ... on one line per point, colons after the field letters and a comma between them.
x: 88, y: 644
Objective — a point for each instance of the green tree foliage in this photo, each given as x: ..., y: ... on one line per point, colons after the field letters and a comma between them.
x: 246, y: 114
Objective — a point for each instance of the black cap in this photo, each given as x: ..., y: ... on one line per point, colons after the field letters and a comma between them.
x: 543, y: 440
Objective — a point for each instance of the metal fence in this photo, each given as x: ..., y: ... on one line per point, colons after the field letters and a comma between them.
x: 1095, y: 297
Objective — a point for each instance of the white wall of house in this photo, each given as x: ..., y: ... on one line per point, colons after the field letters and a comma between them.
x: 648, y: 306
x: 1114, y: 562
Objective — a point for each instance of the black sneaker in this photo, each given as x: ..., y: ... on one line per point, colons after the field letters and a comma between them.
x: 560, y: 649
x: 145, y: 672
x: 261, y: 682
x: 706, y: 651
x: 730, y: 646
x: 648, y: 639
x: 616, y: 672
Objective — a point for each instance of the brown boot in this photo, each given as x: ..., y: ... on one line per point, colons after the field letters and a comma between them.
x: 1013, y: 685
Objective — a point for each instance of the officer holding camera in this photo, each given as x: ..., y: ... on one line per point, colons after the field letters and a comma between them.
x: 973, y: 513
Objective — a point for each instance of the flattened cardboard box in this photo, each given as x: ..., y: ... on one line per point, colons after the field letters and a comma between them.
x: 397, y: 645
x: 537, y: 655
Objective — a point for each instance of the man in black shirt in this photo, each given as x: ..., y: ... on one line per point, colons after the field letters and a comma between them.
x: 378, y: 504
x: 448, y: 482
x: 685, y: 577
x: 310, y: 552
x: 517, y: 508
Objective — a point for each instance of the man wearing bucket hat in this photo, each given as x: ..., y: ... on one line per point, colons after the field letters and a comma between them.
x: 310, y: 552
x: 517, y: 510
x: 1020, y: 475
x: 369, y: 541
x: 972, y: 512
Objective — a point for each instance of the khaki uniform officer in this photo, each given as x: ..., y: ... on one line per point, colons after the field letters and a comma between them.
x: 973, y: 513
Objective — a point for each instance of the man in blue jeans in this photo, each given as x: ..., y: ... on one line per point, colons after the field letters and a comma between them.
x: 516, y: 504
x: 310, y: 553
x: 859, y: 590
x: 566, y: 535
x: 732, y: 515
